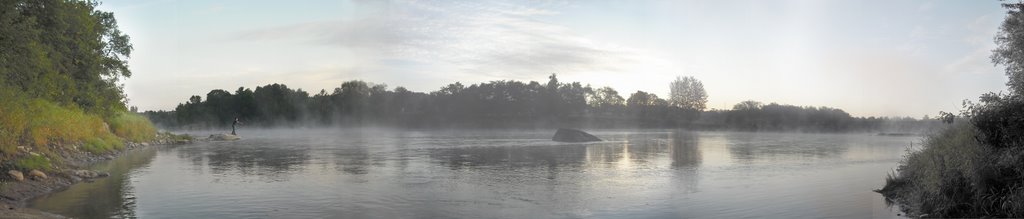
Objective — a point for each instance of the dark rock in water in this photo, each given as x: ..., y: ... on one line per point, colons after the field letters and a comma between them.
x: 573, y: 135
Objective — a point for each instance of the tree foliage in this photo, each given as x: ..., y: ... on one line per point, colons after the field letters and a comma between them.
x: 503, y: 103
x: 1009, y: 50
x: 61, y: 62
x: 65, y: 52
x: 688, y: 93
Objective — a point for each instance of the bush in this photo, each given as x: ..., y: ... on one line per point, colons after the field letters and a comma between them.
x: 1000, y: 119
x: 133, y: 127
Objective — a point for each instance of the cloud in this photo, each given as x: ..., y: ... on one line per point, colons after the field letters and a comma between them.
x: 483, y: 39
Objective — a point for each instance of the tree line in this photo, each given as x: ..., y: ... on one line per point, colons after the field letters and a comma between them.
x: 506, y: 104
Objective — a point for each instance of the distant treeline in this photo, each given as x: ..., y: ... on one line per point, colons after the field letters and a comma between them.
x: 506, y: 104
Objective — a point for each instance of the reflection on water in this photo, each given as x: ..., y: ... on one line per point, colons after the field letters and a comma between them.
x: 506, y: 174
x: 109, y: 197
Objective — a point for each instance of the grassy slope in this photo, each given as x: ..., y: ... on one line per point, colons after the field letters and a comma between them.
x: 44, y: 128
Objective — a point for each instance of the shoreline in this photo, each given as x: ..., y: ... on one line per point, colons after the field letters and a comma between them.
x: 15, y: 195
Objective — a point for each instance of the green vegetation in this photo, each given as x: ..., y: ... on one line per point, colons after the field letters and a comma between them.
x: 509, y: 104
x: 177, y: 138
x: 975, y: 168
x: 102, y: 144
x: 61, y: 62
x: 33, y: 162
x: 134, y: 127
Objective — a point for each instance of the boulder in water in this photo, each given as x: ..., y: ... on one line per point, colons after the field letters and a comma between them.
x: 573, y: 135
x: 224, y: 137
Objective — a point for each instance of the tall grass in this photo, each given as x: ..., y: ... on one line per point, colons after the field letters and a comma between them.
x: 133, y: 127
x: 50, y: 124
x: 955, y: 175
x: 43, y: 126
x: 13, y: 120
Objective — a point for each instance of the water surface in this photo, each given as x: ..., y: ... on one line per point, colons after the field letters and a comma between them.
x: 382, y: 173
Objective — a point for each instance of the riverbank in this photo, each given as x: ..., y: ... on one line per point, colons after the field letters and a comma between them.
x: 71, y: 169
x: 973, y: 169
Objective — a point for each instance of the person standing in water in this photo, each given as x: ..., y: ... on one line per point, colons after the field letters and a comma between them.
x: 233, y: 124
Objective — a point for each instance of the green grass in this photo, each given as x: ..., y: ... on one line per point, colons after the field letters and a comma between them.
x: 133, y: 127
x: 44, y: 126
x: 102, y: 144
x: 33, y: 162
x: 176, y: 138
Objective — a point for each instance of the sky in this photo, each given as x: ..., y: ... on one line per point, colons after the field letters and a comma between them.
x: 870, y: 58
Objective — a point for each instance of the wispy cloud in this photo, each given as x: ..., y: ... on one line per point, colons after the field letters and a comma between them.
x: 496, y: 39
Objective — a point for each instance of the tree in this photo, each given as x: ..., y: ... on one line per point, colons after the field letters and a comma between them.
x: 747, y: 105
x: 642, y: 99
x: 688, y: 93
x: 1009, y: 44
x: 65, y: 52
x: 606, y: 97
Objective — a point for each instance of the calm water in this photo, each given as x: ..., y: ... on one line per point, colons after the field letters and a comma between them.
x: 349, y: 173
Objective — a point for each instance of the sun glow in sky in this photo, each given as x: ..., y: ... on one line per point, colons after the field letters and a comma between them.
x: 870, y: 58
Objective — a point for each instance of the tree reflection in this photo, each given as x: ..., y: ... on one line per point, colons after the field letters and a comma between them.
x: 273, y: 162
x: 532, y: 156
x: 108, y: 197
x: 352, y: 160
x: 748, y: 147
x: 685, y: 149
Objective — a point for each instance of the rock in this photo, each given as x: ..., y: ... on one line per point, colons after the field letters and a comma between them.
x: 145, y: 144
x: 573, y: 135
x: 16, y: 175
x: 37, y: 175
x: 84, y: 173
x: 224, y: 137
x: 88, y: 174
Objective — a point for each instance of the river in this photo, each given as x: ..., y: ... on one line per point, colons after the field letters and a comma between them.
x: 388, y: 173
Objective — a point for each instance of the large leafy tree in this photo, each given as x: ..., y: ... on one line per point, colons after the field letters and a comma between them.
x: 64, y: 51
x: 1009, y: 42
x: 688, y: 93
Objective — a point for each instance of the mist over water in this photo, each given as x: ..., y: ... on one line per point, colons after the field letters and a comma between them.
x: 402, y: 173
